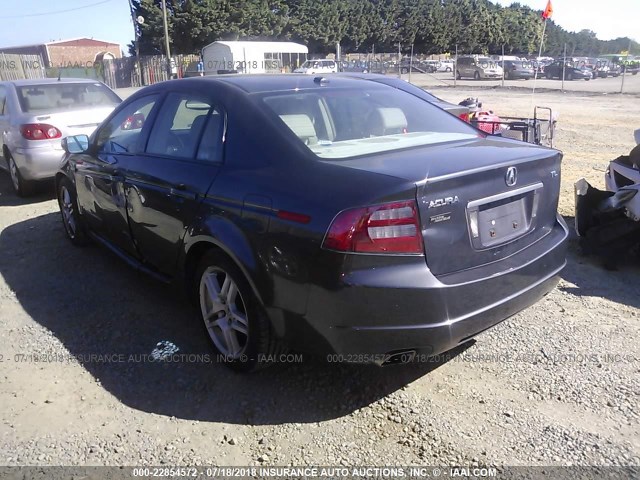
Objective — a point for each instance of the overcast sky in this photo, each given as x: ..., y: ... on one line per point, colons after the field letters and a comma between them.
x: 34, y: 21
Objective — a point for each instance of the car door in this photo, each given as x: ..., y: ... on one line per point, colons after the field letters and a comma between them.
x: 99, y: 176
x: 165, y: 185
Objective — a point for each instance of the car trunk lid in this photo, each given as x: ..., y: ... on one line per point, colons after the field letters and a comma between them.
x: 75, y: 122
x: 479, y: 201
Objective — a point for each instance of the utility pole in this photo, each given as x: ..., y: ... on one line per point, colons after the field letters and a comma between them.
x: 503, y: 66
x: 564, y: 64
x: 455, y: 69
x: 623, y: 73
x: 166, y: 36
x: 411, y: 63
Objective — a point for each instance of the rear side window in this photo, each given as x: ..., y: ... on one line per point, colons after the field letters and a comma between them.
x: 188, y: 127
x: 65, y: 96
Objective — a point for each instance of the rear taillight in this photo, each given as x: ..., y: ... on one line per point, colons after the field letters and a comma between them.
x: 464, y: 117
x: 39, y: 131
x: 387, y: 228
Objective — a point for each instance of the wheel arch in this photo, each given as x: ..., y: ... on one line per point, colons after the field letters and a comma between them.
x: 196, y: 247
x: 5, y: 154
x: 58, y: 178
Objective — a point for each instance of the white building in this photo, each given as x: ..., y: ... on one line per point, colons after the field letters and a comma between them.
x: 252, y: 57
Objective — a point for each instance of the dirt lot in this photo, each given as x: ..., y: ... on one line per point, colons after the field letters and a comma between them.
x: 558, y: 384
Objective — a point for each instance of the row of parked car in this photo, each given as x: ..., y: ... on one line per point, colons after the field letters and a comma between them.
x: 475, y: 67
x: 334, y: 214
x: 485, y: 67
x: 326, y: 65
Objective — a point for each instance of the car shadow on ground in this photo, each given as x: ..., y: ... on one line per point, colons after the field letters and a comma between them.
x: 592, y: 279
x: 44, y: 191
x: 96, y: 305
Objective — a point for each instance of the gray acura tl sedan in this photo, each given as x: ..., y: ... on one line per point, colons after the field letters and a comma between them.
x: 324, y: 214
x: 36, y: 114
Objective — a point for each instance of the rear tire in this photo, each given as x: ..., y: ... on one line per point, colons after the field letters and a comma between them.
x: 232, y: 316
x: 22, y: 187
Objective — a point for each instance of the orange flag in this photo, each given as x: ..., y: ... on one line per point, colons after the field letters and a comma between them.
x: 547, y: 11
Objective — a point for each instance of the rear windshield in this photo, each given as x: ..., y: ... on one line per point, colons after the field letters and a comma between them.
x: 65, y: 96
x: 344, y: 123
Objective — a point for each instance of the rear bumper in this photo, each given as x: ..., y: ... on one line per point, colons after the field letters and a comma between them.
x: 38, y: 163
x: 404, y: 307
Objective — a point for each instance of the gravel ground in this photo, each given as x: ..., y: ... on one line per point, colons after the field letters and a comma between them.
x: 557, y: 384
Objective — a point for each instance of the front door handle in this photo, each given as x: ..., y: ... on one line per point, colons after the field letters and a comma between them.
x: 108, y: 159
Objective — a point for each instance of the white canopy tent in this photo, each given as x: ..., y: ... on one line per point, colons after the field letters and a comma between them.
x: 252, y: 57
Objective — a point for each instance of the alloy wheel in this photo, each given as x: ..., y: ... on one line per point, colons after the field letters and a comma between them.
x: 224, y: 312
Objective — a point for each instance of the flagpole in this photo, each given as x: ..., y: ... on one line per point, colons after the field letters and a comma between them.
x: 535, y: 73
x: 545, y: 14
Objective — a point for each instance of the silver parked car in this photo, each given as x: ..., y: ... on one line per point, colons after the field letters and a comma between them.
x: 36, y: 114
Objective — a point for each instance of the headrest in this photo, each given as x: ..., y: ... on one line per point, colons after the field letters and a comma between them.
x: 392, y: 118
x: 301, y: 125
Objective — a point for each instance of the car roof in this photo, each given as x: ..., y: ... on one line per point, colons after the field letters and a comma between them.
x: 387, y: 80
x: 47, y: 81
x: 259, y: 83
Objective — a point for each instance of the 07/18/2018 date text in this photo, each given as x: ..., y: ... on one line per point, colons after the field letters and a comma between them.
x: 242, y: 65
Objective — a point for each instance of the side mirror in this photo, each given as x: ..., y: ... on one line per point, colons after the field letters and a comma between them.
x: 76, y: 144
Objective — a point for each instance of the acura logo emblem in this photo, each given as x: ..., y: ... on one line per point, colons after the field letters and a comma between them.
x: 511, y: 177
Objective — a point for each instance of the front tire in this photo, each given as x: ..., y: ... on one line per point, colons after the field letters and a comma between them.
x: 232, y: 315
x: 22, y: 187
x: 71, y: 219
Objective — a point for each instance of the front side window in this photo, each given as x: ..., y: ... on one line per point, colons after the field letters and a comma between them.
x: 122, y: 132
x: 344, y: 123
x: 187, y: 126
x: 65, y: 96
